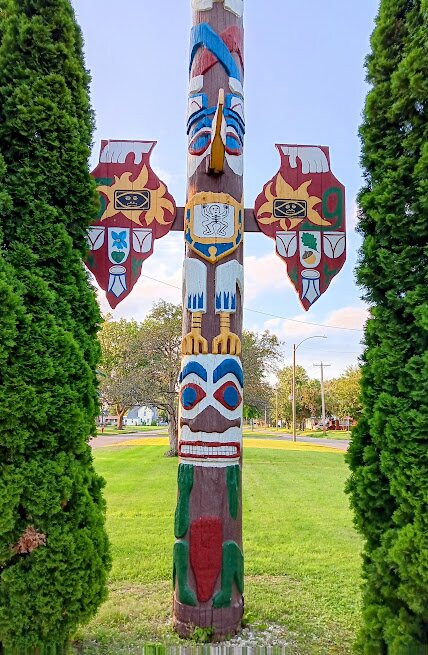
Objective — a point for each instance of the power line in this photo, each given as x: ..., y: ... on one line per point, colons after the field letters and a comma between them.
x: 257, y: 311
x: 293, y: 320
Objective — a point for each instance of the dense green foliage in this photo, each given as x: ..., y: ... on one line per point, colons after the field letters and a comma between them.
x: 389, y: 454
x: 54, y: 554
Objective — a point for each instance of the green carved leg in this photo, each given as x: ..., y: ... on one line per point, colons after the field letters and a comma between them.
x: 180, y: 570
x: 232, y: 570
x: 233, y: 485
x: 185, y: 485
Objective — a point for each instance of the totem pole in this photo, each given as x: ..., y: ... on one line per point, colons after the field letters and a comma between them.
x: 302, y: 208
x: 208, y: 558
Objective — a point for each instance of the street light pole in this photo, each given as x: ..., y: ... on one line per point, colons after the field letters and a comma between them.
x: 322, y: 366
x: 294, y: 380
x: 276, y: 415
x: 293, y: 393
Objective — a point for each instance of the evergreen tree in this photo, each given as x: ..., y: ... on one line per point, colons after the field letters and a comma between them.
x: 389, y: 454
x: 54, y: 554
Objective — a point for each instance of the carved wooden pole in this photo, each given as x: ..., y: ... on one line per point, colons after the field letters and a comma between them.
x: 208, y: 558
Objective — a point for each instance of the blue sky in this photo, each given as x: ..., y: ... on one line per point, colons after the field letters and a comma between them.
x: 305, y: 83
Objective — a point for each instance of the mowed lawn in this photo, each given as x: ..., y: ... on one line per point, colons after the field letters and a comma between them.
x: 302, y: 555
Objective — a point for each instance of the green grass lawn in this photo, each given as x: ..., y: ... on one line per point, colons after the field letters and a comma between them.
x: 301, y: 552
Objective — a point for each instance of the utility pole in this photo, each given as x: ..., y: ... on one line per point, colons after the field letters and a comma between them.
x: 293, y: 394
x: 276, y: 413
x: 322, y: 367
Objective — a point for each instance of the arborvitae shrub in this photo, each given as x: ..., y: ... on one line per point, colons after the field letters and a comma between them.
x: 54, y: 554
x: 389, y: 451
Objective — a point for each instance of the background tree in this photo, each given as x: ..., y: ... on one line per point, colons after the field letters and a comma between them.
x: 160, y: 348
x: 308, y: 395
x: 343, y: 394
x: 120, y: 366
x: 261, y: 353
x: 54, y: 554
x: 389, y: 453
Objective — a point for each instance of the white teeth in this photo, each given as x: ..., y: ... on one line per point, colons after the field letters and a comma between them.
x: 189, y: 450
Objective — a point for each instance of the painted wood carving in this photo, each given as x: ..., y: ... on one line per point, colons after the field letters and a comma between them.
x: 303, y: 209
x: 208, y: 558
x: 136, y: 209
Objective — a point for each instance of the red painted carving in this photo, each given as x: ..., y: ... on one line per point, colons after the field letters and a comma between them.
x: 206, y: 541
x: 234, y: 39
x: 303, y: 209
x: 136, y: 209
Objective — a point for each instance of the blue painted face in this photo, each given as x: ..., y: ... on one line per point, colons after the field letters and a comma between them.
x: 199, y: 129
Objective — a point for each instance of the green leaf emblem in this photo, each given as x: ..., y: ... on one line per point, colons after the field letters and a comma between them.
x: 118, y: 257
x: 310, y: 241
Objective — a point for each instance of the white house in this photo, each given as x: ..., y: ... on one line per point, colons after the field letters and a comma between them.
x: 141, y: 416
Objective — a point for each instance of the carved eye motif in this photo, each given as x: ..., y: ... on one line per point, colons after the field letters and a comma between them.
x: 200, y: 143
x: 191, y: 395
x: 228, y: 396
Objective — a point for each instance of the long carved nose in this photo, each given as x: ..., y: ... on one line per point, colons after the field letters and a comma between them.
x: 210, y: 421
x: 218, y: 147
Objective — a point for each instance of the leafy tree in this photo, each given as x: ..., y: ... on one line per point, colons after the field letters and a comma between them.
x: 308, y: 395
x: 141, y: 364
x: 343, y: 394
x: 260, y: 355
x: 160, y: 346
x: 54, y: 554
x: 120, y: 366
x: 389, y: 454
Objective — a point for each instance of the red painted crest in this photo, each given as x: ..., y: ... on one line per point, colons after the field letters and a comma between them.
x: 206, y: 542
x: 136, y: 209
x: 303, y: 209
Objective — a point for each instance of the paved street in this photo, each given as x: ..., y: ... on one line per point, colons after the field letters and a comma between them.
x: 108, y: 440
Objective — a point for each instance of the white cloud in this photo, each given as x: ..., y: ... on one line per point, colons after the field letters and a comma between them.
x: 346, y: 317
x: 262, y: 274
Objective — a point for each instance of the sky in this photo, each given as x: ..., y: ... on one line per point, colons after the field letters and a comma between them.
x: 305, y: 83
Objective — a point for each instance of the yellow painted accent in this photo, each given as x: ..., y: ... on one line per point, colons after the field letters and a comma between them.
x: 158, y: 202
x: 284, y: 190
x: 194, y: 343
x: 260, y: 444
x: 226, y: 343
x: 218, y: 148
x: 271, y: 444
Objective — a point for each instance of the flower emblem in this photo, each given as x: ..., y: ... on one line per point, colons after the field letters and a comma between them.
x: 119, y: 240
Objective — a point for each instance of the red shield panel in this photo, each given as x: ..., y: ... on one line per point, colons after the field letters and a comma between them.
x: 303, y: 209
x: 136, y: 209
x: 206, y: 540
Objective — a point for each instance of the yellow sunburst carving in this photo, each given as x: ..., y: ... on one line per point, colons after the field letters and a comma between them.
x: 284, y: 190
x: 158, y: 203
